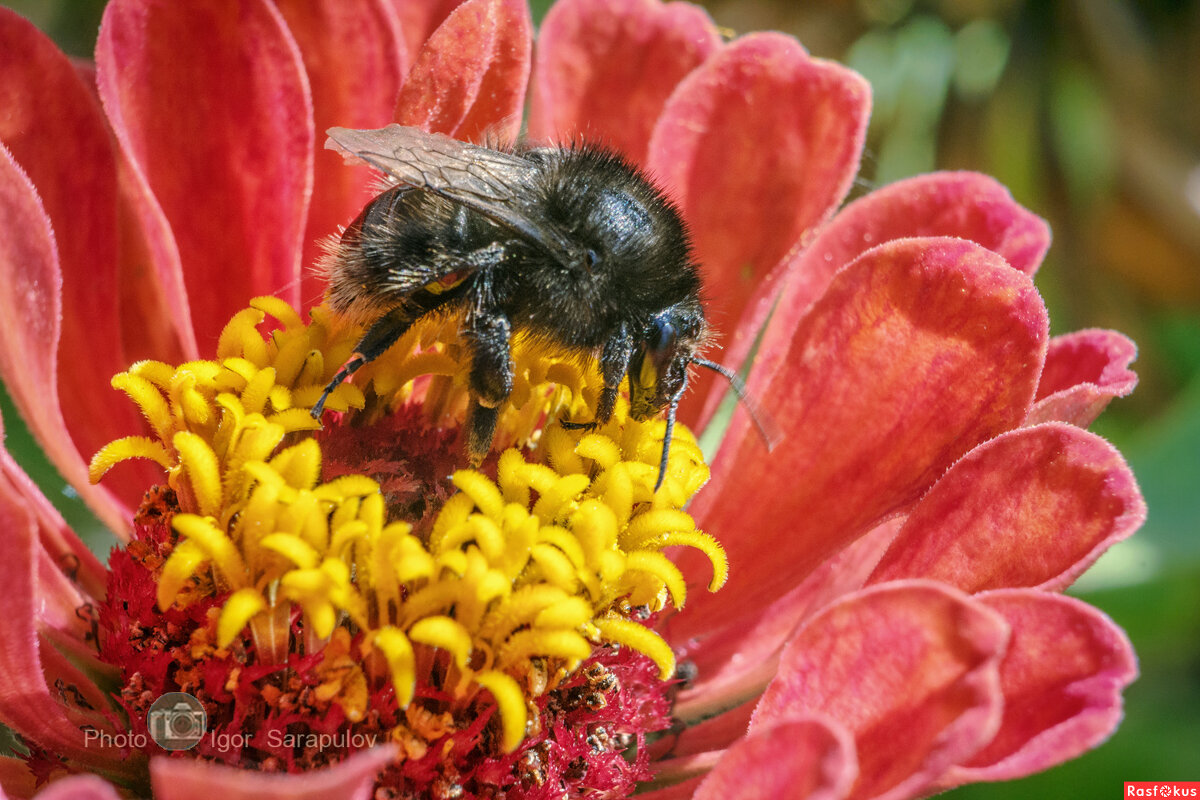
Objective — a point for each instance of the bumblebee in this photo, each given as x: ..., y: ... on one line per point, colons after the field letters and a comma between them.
x: 573, y: 246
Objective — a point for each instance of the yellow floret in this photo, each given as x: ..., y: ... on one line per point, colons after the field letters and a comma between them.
x: 527, y: 572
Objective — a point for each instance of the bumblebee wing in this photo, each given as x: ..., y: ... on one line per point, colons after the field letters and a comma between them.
x: 488, y: 181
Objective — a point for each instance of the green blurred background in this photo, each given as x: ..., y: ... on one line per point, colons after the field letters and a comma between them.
x: 1089, y: 111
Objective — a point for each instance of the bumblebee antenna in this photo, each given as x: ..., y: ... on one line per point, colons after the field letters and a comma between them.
x: 670, y: 431
x: 766, y: 426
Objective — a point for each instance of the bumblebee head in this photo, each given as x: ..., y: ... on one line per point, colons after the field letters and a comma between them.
x: 658, y: 372
x: 658, y: 368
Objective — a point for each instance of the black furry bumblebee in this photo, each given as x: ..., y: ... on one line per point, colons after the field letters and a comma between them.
x: 574, y: 246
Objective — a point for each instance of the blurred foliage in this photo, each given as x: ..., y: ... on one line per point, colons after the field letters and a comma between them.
x: 1089, y: 111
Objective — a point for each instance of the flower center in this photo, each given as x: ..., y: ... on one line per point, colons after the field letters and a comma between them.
x: 307, y: 584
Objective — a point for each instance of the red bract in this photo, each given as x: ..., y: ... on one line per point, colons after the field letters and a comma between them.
x: 892, y: 624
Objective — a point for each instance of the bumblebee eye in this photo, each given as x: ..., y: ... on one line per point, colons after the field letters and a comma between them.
x: 591, y: 257
x: 662, y: 335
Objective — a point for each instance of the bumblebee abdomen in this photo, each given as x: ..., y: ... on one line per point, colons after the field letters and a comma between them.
x: 403, y: 241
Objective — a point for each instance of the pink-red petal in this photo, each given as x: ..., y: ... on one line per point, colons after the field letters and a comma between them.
x: 185, y: 779
x: 737, y: 663
x: 469, y: 79
x: 355, y: 60
x: 605, y: 68
x: 418, y: 19
x: 210, y: 103
x: 1084, y: 371
x: 758, y: 145
x: 79, y: 787
x: 1033, y: 507
x: 59, y: 550
x: 36, y: 588
x: 54, y: 129
x: 966, y: 205
x: 712, y: 734
x: 30, y: 310
x: 679, y: 791
x: 909, y: 668
x: 1062, y: 679
x: 920, y: 350
x: 800, y: 756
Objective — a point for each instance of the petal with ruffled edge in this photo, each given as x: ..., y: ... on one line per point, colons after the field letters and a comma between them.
x: 355, y: 60
x: 736, y: 663
x: 1062, y: 679
x: 605, y: 68
x: 804, y: 755
x: 352, y: 779
x: 911, y: 669
x: 54, y: 130
x: 758, y: 145
x: 57, y: 542
x: 209, y: 101
x: 79, y: 787
x: 418, y: 19
x: 30, y: 308
x: 800, y: 756
x: 1084, y: 371
x: 714, y: 734
x: 40, y: 628
x: 469, y: 79
x: 966, y: 205
x: 920, y: 350
x: 1033, y: 507
x: 156, y: 318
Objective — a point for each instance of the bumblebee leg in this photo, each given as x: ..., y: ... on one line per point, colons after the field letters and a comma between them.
x: 382, y: 334
x: 491, y: 379
x: 614, y: 363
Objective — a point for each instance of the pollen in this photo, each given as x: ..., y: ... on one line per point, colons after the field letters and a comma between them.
x: 494, y: 600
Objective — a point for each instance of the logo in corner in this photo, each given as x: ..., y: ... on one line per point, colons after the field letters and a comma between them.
x: 176, y: 721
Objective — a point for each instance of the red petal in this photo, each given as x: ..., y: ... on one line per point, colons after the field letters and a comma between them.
x: 39, y: 596
x: 209, y: 101
x: 57, y: 542
x: 352, y: 779
x: 1033, y: 507
x: 30, y: 310
x: 79, y: 787
x: 53, y: 126
x: 606, y: 67
x: 16, y: 780
x: 759, y: 145
x: 469, y: 79
x: 910, y: 669
x: 156, y: 320
x: 1062, y: 680
x: 920, y: 350
x: 418, y: 19
x: 738, y: 662
x: 1084, y: 371
x: 354, y: 57
x: 961, y: 204
x: 718, y: 731
x: 795, y: 757
x: 679, y: 791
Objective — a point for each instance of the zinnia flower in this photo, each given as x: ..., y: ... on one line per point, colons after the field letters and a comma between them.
x: 892, y: 623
